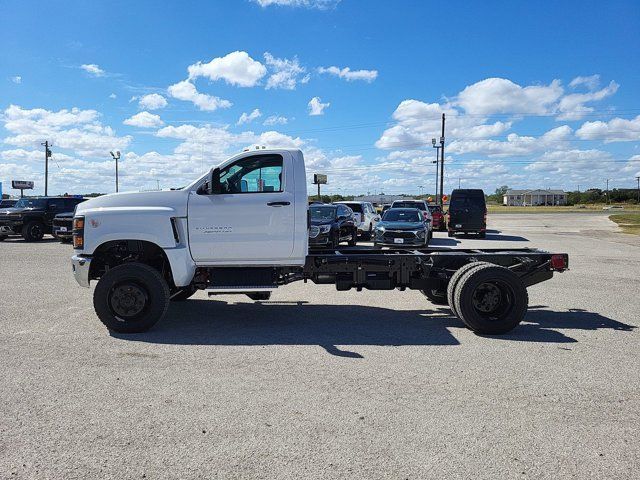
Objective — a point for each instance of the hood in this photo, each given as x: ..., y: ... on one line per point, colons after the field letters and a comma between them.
x: 65, y: 215
x: 321, y: 222
x: 13, y: 210
x: 402, y: 225
x: 175, y: 199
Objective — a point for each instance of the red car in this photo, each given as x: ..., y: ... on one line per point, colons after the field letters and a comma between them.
x: 439, y: 221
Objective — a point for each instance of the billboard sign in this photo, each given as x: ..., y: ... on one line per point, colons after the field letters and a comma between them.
x: 21, y: 185
x: 319, y: 179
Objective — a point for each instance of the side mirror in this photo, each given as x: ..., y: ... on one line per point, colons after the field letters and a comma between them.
x: 214, y: 182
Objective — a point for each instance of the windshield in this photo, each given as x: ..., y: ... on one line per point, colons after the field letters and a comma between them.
x: 356, y: 207
x: 418, y: 205
x: 31, y: 203
x: 322, y: 213
x: 394, y: 215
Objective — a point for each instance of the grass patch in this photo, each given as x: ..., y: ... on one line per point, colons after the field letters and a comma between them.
x: 557, y: 209
x: 629, y: 222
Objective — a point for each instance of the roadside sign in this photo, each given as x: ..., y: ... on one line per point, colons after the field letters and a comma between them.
x: 319, y: 179
x: 21, y: 184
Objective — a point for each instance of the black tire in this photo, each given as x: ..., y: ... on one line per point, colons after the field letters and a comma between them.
x: 439, y: 297
x: 455, y: 279
x: 354, y: 238
x: 184, y: 293
x: 3, y: 238
x: 368, y: 235
x: 131, y: 298
x: 491, y: 299
x: 482, y: 235
x: 259, y: 296
x: 33, y: 231
x: 450, y: 234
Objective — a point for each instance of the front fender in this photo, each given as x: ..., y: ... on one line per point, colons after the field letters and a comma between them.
x: 151, y: 224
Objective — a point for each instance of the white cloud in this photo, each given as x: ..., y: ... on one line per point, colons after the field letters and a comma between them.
x: 276, y: 120
x: 615, y: 130
x: 319, y: 4
x: 16, y: 79
x: 350, y: 75
x: 499, y: 95
x: 515, y: 145
x: 249, y: 117
x: 93, y: 69
x: 316, y: 107
x: 571, y: 161
x: 285, y: 73
x: 113, y: 96
x: 572, y: 106
x: 591, y: 82
x: 152, y: 101
x: 236, y: 68
x: 185, y: 90
x: 75, y: 129
x: 144, y: 120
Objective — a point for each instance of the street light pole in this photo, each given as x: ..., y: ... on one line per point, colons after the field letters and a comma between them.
x: 442, y: 164
x: 437, y: 161
x: 638, y: 179
x: 116, y: 157
x: 47, y: 156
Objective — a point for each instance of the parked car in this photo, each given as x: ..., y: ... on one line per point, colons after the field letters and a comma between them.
x: 62, y: 227
x: 331, y: 225
x: 467, y: 212
x: 365, y: 216
x: 419, y: 204
x: 385, y: 207
x: 403, y: 227
x: 7, y: 203
x: 33, y: 217
x: 438, y: 219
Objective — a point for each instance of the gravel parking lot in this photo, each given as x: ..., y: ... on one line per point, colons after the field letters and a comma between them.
x: 322, y: 384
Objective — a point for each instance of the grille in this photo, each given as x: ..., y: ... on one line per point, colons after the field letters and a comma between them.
x: 399, y: 234
x: 60, y: 222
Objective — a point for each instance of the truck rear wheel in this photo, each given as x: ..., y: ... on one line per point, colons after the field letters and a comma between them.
x: 455, y: 279
x: 33, y: 231
x: 491, y: 299
x: 131, y: 298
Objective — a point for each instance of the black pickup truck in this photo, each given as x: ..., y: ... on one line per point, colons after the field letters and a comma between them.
x: 32, y: 218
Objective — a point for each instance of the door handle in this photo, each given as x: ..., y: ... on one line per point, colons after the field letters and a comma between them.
x: 278, y: 204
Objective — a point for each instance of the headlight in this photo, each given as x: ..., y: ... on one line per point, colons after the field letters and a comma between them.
x: 380, y: 229
x: 420, y: 233
x: 78, y: 232
x: 325, y: 228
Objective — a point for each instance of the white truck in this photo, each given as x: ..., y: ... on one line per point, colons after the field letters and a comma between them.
x: 243, y: 228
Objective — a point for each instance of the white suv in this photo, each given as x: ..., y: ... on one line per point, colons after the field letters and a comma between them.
x: 365, y: 216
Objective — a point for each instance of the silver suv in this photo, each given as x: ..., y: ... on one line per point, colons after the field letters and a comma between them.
x: 366, y: 217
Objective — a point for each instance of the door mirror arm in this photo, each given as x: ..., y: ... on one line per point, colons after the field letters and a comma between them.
x: 214, y: 182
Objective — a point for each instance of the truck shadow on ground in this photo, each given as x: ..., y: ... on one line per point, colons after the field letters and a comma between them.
x: 214, y: 322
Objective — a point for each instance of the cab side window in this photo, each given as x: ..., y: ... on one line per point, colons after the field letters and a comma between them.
x: 342, y: 211
x: 256, y: 174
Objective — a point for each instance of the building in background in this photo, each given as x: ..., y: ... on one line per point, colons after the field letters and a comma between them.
x: 528, y: 198
x: 379, y: 199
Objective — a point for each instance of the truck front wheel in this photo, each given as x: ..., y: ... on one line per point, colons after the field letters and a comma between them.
x: 131, y: 298
x: 33, y: 231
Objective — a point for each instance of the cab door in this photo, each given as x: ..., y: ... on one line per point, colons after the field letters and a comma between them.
x: 251, y: 222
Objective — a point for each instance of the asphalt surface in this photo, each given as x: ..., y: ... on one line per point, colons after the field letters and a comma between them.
x: 323, y: 384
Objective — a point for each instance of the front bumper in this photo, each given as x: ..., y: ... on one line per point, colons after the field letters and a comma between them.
x: 81, y: 267
x: 10, y: 227
x: 319, y: 240
x: 388, y: 238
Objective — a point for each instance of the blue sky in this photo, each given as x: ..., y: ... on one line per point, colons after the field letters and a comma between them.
x: 537, y: 94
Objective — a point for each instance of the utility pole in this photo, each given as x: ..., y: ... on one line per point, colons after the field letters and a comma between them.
x: 607, y: 191
x: 458, y: 183
x: 442, y: 164
x: 638, y: 179
x: 47, y: 156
